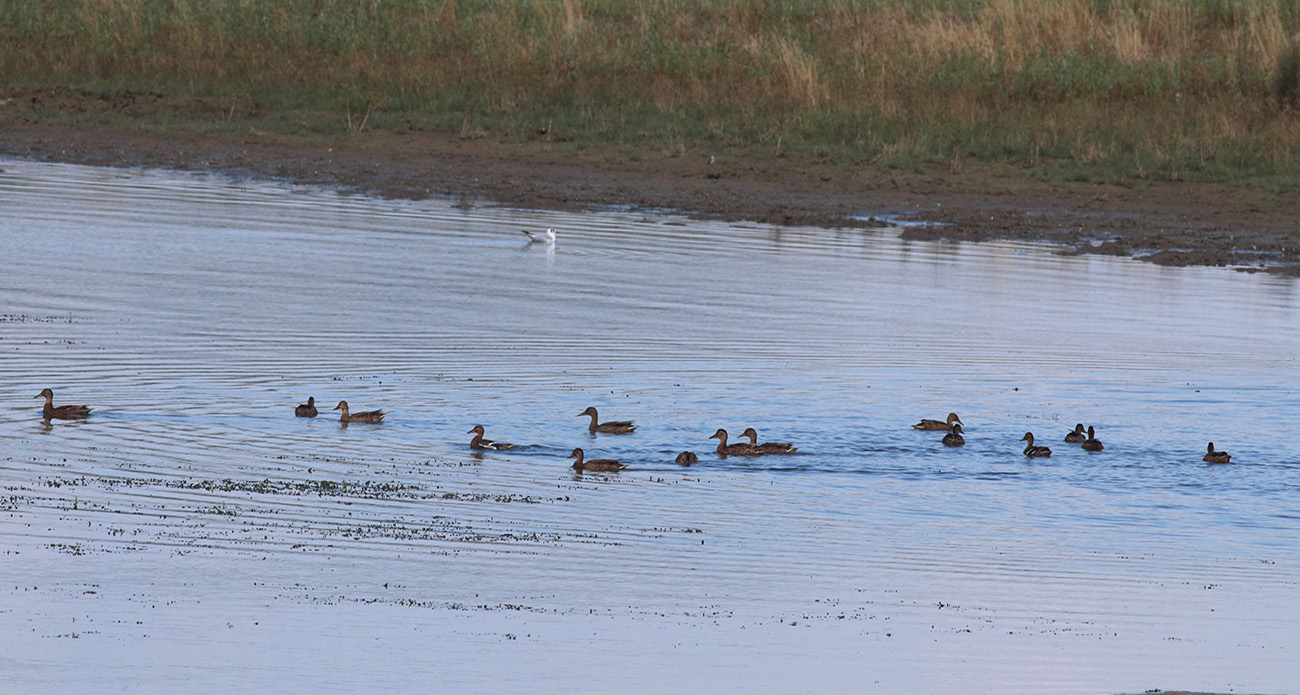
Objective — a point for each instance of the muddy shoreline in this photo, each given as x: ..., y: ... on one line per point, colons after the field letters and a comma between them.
x: 1168, y: 223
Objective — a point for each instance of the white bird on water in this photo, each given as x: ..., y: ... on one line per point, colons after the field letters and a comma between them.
x: 547, y: 237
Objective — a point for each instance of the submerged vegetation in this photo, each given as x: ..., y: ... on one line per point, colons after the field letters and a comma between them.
x: 1090, y: 89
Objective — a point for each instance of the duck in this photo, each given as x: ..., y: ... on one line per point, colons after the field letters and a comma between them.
x: 1076, y: 436
x: 478, y: 442
x: 546, y: 237
x: 1034, y: 451
x: 954, y: 438
x: 737, y: 449
x: 62, y: 412
x: 686, y: 458
x: 594, y: 465
x: 307, y: 409
x: 616, y: 427
x: 1092, y: 443
x: 767, y: 447
x: 370, y: 416
x: 1212, y: 456
x: 937, y: 425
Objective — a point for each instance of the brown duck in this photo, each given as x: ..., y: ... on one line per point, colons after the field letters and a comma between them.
x: 369, y: 416
x: 938, y: 425
x: 307, y: 409
x: 594, y: 465
x: 954, y: 438
x: 615, y: 427
x: 686, y: 458
x: 1212, y: 456
x: 478, y: 442
x: 1034, y: 451
x: 767, y: 447
x: 1092, y: 443
x: 737, y: 449
x: 62, y: 412
x: 1076, y: 436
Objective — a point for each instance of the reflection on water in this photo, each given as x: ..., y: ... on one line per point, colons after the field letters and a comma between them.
x: 194, y: 529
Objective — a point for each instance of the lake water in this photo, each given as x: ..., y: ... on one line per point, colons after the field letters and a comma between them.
x: 192, y: 535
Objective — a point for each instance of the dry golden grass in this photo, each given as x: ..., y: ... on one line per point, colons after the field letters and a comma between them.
x: 1170, y: 86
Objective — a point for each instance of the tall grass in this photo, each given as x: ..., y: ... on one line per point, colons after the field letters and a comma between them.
x: 1112, y: 88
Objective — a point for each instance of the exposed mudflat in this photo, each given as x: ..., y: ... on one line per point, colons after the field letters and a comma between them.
x: 1169, y: 223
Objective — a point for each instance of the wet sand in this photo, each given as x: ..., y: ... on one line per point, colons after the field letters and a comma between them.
x: 1168, y: 223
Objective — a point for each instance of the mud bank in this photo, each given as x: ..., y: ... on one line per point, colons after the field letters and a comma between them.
x: 1168, y: 223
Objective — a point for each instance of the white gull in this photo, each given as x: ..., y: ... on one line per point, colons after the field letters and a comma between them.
x: 547, y: 237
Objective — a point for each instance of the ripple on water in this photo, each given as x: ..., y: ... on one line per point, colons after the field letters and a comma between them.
x: 193, y: 313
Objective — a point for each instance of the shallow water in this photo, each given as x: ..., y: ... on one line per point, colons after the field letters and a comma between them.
x: 193, y: 534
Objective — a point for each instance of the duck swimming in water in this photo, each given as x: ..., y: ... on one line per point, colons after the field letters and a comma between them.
x: 1034, y: 451
x: 1076, y: 436
x: 594, y: 465
x: 369, y: 416
x: 737, y: 449
x: 1092, y: 443
x: 307, y: 409
x: 937, y: 425
x: 478, y: 442
x: 954, y: 438
x: 62, y: 412
x: 1212, y: 456
x: 615, y: 427
x: 767, y: 447
x: 686, y: 458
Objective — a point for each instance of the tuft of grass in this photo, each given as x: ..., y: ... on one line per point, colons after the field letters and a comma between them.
x: 1286, y: 79
x: 1107, y: 89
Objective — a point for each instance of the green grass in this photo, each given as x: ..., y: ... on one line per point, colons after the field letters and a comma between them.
x: 1101, y: 89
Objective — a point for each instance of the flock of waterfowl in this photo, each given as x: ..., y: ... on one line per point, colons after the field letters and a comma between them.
x: 952, y: 426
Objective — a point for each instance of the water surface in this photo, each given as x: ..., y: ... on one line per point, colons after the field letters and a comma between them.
x: 192, y: 534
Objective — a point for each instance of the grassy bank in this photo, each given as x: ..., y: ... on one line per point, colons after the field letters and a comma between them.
x: 1075, y: 89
